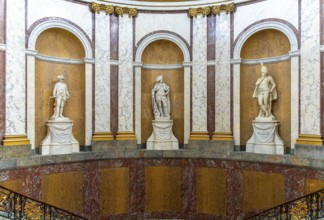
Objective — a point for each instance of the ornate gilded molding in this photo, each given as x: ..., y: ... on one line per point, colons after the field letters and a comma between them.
x: 109, y: 9
x: 299, y: 210
x: 196, y: 11
x: 216, y: 10
x: 124, y: 10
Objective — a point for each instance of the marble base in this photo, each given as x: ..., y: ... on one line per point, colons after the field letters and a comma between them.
x: 265, y: 138
x: 59, y: 138
x: 162, y: 137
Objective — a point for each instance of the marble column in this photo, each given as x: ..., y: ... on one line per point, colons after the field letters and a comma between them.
x: 102, y: 130
x: 310, y: 74
x: 125, y: 79
x: 199, y: 79
x: 15, y: 132
x: 236, y: 65
x: 223, y: 78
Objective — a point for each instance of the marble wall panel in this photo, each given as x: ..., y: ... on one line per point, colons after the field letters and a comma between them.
x: 246, y: 15
x: 125, y: 74
x: 2, y: 21
x: 310, y: 68
x: 102, y: 73
x: 114, y: 191
x: 199, y: 74
x: 211, y: 99
x: 267, y: 43
x: 2, y: 94
x: 15, y: 68
x: 14, y: 185
x: 114, y: 99
x: 150, y: 22
x: 64, y: 190
x: 81, y: 15
x: 223, y: 75
x: 211, y: 190
x: 175, y: 185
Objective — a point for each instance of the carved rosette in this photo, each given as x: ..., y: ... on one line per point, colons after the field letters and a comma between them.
x: 109, y: 9
x: 196, y: 11
x: 216, y: 10
x: 124, y: 10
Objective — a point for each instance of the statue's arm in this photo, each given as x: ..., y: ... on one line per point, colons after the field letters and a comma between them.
x: 54, y: 90
x: 273, y: 84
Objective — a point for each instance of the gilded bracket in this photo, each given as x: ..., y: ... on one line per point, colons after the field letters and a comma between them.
x: 216, y: 10
x: 124, y: 10
x: 109, y: 9
x: 196, y: 11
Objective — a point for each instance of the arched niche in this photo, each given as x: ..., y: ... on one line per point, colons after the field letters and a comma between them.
x: 265, y: 44
x: 162, y: 53
x: 59, y: 43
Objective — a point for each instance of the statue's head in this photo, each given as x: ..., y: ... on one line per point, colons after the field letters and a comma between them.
x: 159, y: 78
x: 60, y: 77
x: 264, y: 70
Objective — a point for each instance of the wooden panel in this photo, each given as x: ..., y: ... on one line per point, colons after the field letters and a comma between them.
x: 46, y: 76
x: 262, y: 190
x: 162, y: 52
x: 313, y: 185
x: 260, y: 45
x: 211, y: 190
x: 64, y: 190
x: 114, y: 191
x: 14, y: 185
x: 162, y: 189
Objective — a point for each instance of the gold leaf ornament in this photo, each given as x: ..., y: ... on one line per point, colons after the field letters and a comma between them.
x: 33, y: 211
x: 196, y: 11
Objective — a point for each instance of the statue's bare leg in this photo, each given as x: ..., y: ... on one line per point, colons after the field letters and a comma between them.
x: 261, y: 102
x: 266, y: 103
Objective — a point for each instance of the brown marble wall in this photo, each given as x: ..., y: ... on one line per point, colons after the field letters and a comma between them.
x: 2, y: 94
x: 163, y: 52
x: 164, y: 188
x: 66, y: 45
x: 266, y: 43
x: 2, y: 21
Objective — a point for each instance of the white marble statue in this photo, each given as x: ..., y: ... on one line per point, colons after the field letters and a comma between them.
x: 61, y: 94
x: 265, y: 91
x: 160, y: 99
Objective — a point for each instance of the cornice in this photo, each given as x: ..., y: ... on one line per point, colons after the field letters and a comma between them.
x: 166, y: 6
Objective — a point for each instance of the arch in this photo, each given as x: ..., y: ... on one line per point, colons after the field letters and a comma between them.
x: 162, y: 36
x: 143, y: 43
x: 262, y: 26
x: 59, y: 23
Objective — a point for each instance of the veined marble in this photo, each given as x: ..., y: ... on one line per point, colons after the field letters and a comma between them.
x: 102, y: 89
x: 294, y: 62
x: 310, y: 68
x: 149, y: 23
x: 125, y: 74
x: 223, y: 74
x: 79, y: 14
x: 88, y: 101
x: 236, y: 105
x: 251, y: 13
x: 15, y: 68
x: 199, y: 74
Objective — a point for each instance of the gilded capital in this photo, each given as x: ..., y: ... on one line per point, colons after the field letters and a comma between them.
x: 196, y: 11
x: 216, y: 10
x: 124, y: 10
x: 109, y: 9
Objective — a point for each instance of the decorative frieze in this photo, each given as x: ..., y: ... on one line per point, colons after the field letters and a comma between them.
x: 196, y: 11
x: 109, y: 9
x: 216, y: 10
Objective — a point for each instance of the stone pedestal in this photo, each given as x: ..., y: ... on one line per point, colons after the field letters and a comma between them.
x: 265, y: 138
x: 59, y: 138
x: 162, y: 137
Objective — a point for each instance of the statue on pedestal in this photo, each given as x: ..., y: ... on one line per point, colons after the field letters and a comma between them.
x: 162, y: 137
x: 265, y: 91
x: 265, y: 138
x: 59, y: 138
x: 61, y: 94
x: 160, y: 99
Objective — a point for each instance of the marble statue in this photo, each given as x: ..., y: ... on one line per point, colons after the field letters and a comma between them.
x: 162, y: 137
x: 160, y: 99
x: 265, y: 138
x: 61, y: 94
x: 265, y: 91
